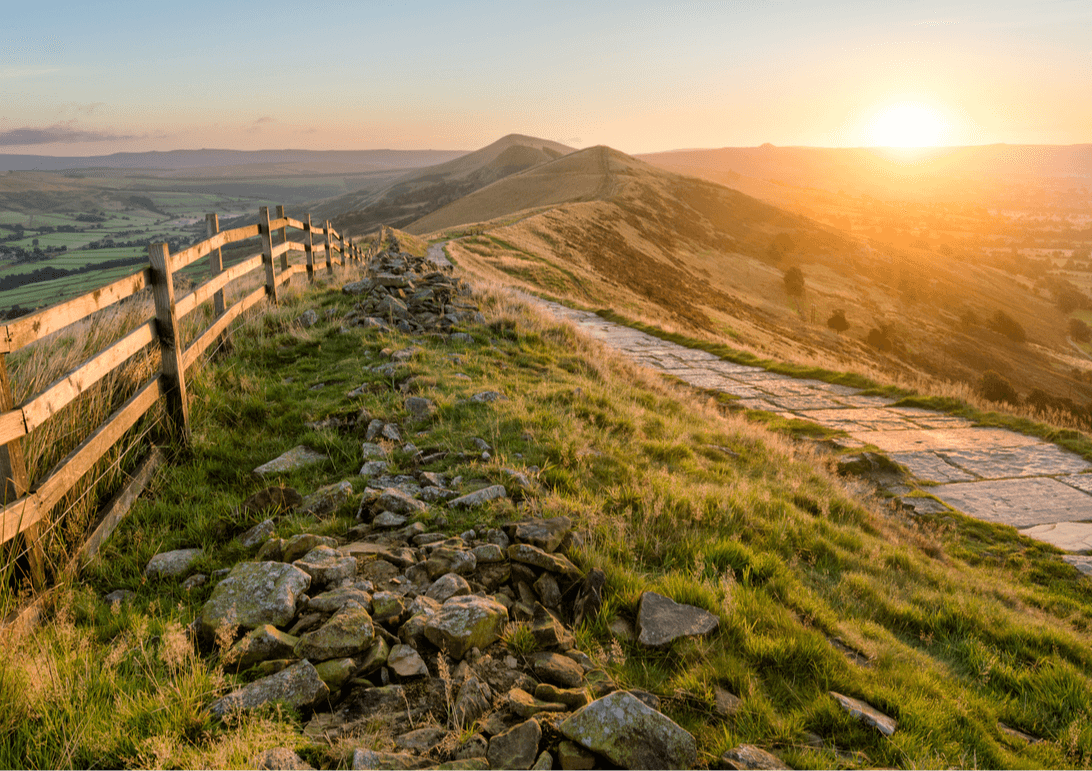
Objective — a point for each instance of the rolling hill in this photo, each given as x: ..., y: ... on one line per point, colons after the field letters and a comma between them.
x: 425, y: 190
x: 602, y: 229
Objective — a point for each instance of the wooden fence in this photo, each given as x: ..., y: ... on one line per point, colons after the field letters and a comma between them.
x: 28, y: 505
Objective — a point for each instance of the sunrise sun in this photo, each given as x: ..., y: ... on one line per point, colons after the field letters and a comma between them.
x: 907, y: 124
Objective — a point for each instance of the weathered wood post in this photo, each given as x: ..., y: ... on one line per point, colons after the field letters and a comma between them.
x: 14, y: 471
x: 310, y: 244
x: 329, y: 252
x: 216, y: 267
x: 267, y: 254
x: 170, y: 342
x: 284, y: 239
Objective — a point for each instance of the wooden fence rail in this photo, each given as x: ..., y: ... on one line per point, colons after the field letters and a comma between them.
x: 27, y: 505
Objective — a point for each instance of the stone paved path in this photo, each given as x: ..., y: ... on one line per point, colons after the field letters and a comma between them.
x: 988, y: 473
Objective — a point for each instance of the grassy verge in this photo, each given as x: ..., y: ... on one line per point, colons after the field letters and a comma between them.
x: 957, y: 624
x: 1069, y: 438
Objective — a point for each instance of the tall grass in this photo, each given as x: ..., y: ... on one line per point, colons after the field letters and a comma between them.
x: 37, y: 366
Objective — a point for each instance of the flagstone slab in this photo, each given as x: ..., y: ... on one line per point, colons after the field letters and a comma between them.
x: 1073, y: 537
x: 731, y: 368
x: 930, y: 467
x: 804, y: 402
x: 921, y: 440
x: 756, y: 404
x: 868, y: 401
x: 1019, y: 502
x: 1005, y: 462
x: 1080, y: 481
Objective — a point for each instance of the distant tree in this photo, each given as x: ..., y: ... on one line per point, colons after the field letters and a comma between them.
x: 794, y: 281
x: 1079, y: 331
x: 995, y: 388
x: 1069, y: 298
x: 781, y: 245
x: 1007, y: 326
x: 837, y: 321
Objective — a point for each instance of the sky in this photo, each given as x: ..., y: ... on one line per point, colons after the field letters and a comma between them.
x: 97, y: 78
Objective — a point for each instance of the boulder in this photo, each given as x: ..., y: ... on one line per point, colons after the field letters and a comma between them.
x: 478, y: 497
x: 333, y: 600
x: 280, y: 759
x: 661, y: 621
x: 326, y: 565
x: 257, y: 535
x: 447, y: 586
x: 536, y: 557
x: 298, y: 686
x: 630, y: 734
x: 347, y: 633
x: 557, y: 669
x: 298, y: 545
x: 866, y: 713
x: 475, y: 698
x: 397, y: 501
x: 297, y: 457
x: 336, y: 672
x: 404, y: 662
x: 253, y: 594
x: 327, y: 499
x: 171, y: 564
x: 374, y: 760
x: 546, y: 534
x: 467, y: 622
x: 747, y: 757
x: 517, y: 747
x: 265, y: 642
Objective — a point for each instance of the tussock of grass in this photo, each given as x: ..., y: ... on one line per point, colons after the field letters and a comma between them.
x: 962, y: 623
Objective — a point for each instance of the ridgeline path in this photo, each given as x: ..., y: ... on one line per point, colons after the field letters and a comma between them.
x: 992, y: 474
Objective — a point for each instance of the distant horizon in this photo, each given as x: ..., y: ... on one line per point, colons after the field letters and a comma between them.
x: 926, y: 148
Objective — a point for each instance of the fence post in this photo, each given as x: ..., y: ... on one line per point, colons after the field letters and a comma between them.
x: 310, y: 244
x: 216, y: 267
x: 329, y: 252
x: 267, y: 254
x: 170, y: 342
x: 284, y: 238
x: 14, y: 471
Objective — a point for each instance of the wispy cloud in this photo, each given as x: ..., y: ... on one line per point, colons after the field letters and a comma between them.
x: 58, y: 133
x: 25, y: 72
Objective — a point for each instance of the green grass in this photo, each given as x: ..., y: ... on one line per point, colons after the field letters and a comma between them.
x: 1067, y: 438
x: 964, y: 623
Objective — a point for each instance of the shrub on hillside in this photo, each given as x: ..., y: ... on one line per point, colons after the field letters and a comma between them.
x: 794, y: 281
x: 1069, y: 298
x: 1079, y: 331
x: 1007, y: 326
x: 837, y: 321
x: 996, y: 388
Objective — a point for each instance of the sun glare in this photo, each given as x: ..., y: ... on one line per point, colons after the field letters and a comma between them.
x: 907, y: 125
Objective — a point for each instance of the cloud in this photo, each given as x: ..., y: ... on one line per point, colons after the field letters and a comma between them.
x: 58, y: 133
x: 256, y: 125
x: 25, y: 72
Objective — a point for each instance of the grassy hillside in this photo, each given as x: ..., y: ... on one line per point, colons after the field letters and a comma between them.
x: 425, y: 190
x: 601, y: 229
x: 951, y: 626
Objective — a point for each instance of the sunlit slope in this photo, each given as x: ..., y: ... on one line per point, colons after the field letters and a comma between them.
x: 629, y: 235
x: 602, y: 229
x: 425, y: 190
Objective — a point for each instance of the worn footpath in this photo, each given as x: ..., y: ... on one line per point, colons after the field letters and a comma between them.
x: 990, y: 473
